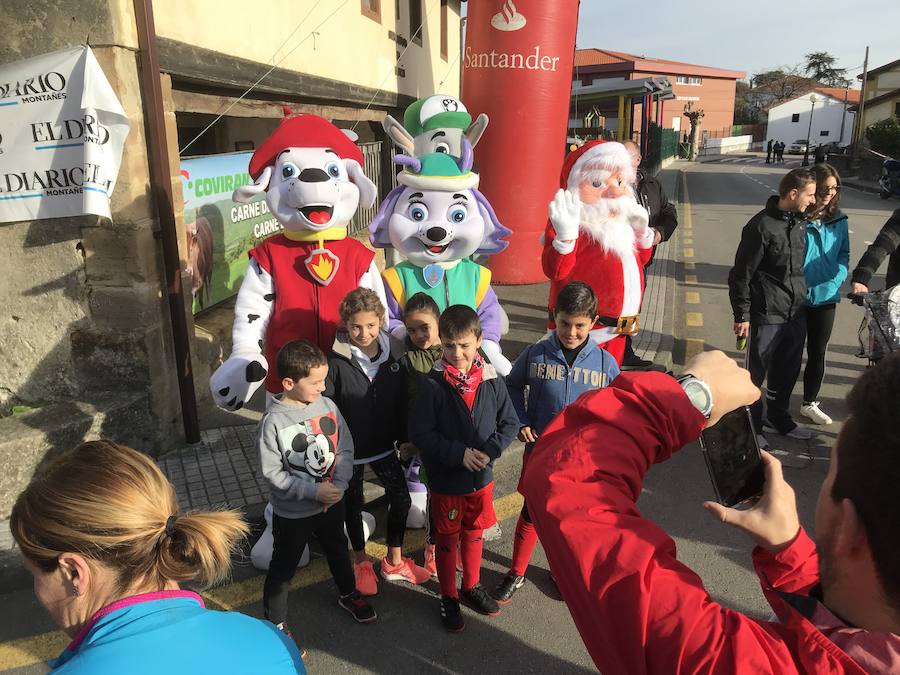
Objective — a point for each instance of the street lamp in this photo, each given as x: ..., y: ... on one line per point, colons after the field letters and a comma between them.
x: 812, y: 100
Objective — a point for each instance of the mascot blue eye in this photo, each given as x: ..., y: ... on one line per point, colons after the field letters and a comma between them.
x: 418, y: 212
x: 289, y: 170
x: 333, y: 170
x: 457, y: 214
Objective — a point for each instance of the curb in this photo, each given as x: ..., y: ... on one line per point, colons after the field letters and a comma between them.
x: 862, y: 187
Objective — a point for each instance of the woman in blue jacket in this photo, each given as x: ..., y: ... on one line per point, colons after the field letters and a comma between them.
x: 102, y: 535
x: 825, y: 268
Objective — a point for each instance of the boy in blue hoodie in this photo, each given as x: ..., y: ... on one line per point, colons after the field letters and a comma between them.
x: 555, y: 371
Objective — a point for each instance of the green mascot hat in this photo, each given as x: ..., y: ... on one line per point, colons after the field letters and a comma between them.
x: 436, y: 112
x: 437, y: 171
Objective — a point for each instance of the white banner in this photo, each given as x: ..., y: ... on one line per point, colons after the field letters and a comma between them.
x: 61, y: 135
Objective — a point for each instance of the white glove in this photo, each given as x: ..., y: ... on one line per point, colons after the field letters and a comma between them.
x: 236, y: 380
x: 495, y: 356
x: 565, y: 212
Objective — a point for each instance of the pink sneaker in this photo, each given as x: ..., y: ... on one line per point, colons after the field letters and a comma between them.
x: 407, y: 570
x: 430, y: 564
x: 366, y: 581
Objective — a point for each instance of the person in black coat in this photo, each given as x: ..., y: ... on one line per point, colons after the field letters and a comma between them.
x: 886, y: 245
x: 663, y: 220
x: 767, y: 289
x: 769, y: 152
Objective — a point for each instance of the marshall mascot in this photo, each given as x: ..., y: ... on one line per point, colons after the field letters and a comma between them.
x: 312, y: 175
x: 598, y: 234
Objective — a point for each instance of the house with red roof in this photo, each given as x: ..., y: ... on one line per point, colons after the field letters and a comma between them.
x: 821, y: 114
x: 709, y: 89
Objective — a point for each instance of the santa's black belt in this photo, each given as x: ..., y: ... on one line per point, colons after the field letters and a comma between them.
x: 624, y: 325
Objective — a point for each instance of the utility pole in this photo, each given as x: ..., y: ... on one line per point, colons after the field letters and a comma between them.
x: 859, y: 125
x: 843, y: 117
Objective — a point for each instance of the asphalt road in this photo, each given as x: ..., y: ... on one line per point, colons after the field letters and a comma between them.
x: 534, y: 634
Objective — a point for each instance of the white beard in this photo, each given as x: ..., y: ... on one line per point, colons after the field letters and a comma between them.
x: 607, y: 222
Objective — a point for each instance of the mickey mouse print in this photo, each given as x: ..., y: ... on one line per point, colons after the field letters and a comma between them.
x: 308, y: 447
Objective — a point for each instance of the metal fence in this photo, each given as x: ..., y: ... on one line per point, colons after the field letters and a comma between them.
x: 372, y: 166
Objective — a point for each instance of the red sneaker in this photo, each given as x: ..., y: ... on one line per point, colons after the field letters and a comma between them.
x: 366, y: 581
x: 406, y: 570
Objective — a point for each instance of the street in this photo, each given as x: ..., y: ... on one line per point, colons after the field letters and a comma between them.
x: 534, y: 633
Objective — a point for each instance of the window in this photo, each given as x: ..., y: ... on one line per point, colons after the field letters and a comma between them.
x: 371, y: 9
x: 684, y: 79
x: 415, y: 21
x: 681, y: 79
x: 696, y: 80
x: 823, y: 133
x: 444, y: 22
x: 795, y: 117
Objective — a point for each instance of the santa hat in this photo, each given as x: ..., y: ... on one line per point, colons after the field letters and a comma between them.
x: 577, y: 160
x: 303, y: 131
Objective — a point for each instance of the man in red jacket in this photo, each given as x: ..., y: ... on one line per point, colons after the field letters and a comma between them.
x: 641, y: 611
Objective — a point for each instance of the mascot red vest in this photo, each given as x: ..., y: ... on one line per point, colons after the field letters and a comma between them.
x: 598, y: 234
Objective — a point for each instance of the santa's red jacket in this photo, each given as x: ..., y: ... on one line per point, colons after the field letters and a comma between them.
x: 637, y: 608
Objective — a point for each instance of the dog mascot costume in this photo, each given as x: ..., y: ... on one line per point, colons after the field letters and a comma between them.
x: 436, y: 218
x: 312, y: 175
x: 598, y: 234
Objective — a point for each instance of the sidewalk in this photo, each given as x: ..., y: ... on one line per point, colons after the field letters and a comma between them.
x: 222, y: 470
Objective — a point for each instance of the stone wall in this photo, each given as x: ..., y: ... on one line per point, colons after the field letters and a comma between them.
x: 85, y: 336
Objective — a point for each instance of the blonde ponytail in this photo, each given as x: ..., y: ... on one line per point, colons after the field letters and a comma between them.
x: 113, y: 505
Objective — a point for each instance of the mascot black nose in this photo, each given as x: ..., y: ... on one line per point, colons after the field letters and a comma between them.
x: 436, y: 233
x: 314, y: 176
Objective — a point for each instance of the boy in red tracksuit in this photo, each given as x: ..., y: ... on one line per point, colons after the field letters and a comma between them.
x: 462, y: 420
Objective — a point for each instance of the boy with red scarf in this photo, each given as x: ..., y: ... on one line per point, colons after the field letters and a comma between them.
x: 463, y: 419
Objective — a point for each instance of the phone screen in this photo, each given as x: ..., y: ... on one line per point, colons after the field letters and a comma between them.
x: 733, y: 459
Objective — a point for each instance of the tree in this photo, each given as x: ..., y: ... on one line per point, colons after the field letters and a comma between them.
x: 745, y: 110
x: 884, y: 137
x: 767, y: 77
x: 821, y: 66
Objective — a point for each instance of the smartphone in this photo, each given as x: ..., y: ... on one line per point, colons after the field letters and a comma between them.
x: 733, y: 459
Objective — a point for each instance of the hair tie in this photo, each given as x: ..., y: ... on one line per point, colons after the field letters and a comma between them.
x: 170, y: 526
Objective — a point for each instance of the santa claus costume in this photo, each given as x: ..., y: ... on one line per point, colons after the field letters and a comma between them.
x: 598, y: 234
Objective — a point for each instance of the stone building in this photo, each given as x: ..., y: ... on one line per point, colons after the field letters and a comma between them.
x: 86, y: 336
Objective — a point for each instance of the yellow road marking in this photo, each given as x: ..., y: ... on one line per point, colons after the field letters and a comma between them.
x: 694, y: 319
x: 692, y: 347
x: 691, y: 298
x: 690, y: 278
x: 41, y: 648
x: 688, y: 253
x: 687, y: 241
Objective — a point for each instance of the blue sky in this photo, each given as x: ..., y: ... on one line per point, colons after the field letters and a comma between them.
x: 765, y: 34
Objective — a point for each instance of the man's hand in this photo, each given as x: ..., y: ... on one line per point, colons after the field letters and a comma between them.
x: 328, y: 494
x: 742, y: 328
x: 657, y: 236
x: 407, y: 451
x: 859, y: 288
x: 527, y: 435
x: 772, y: 521
x: 474, y: 460
x: 729, y: 384
x: 565, y: 212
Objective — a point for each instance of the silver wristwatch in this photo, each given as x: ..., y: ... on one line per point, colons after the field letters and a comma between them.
x: 698, y: 392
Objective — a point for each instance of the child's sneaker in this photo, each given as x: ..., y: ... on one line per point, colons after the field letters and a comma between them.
x: 507, y: 587
x: 287, y: 631
x: 430, y: 563
x: 451, y: 615
x: 813, y: 413
x: 406, y: 570
x: 366, y: 581
x: 361, y: 610
x: 478, y: 599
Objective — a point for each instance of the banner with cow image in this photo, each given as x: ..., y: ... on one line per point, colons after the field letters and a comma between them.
x: 220, y: 231
x: 62, y: 131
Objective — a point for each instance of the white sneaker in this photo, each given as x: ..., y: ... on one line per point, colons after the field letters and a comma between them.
x: 812, y: 412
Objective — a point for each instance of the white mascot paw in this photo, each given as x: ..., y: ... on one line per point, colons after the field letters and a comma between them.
x: 495, y: 356
x: 565, y: 213
x: 418, y: 513
x: 261, y: 553
x: 237, y: 379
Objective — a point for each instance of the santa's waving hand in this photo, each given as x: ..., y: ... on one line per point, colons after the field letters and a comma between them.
x: 599, y: 234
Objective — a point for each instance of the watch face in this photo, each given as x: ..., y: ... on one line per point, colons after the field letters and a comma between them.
x: 698, y: 395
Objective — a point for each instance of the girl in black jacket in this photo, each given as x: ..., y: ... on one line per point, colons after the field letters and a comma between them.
x: 367, y: 380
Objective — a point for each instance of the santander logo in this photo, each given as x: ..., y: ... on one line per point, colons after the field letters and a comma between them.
x: 508, y: 18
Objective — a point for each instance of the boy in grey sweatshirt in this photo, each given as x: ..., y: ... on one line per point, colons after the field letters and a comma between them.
x: 306, y: 455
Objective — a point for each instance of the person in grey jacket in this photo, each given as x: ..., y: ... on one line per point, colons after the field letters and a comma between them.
x: 306, y: 456
x: 768, y: 297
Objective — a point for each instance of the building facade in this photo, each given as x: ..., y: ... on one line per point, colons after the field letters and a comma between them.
x: 87, y: 336
x: 823, y: 113
x: 882, y: 94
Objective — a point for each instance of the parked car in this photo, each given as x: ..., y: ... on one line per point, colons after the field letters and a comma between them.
x: 798, y: 147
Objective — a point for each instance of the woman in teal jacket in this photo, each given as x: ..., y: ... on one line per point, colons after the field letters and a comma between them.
x: 102, y: 535
x: 825, y: 269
